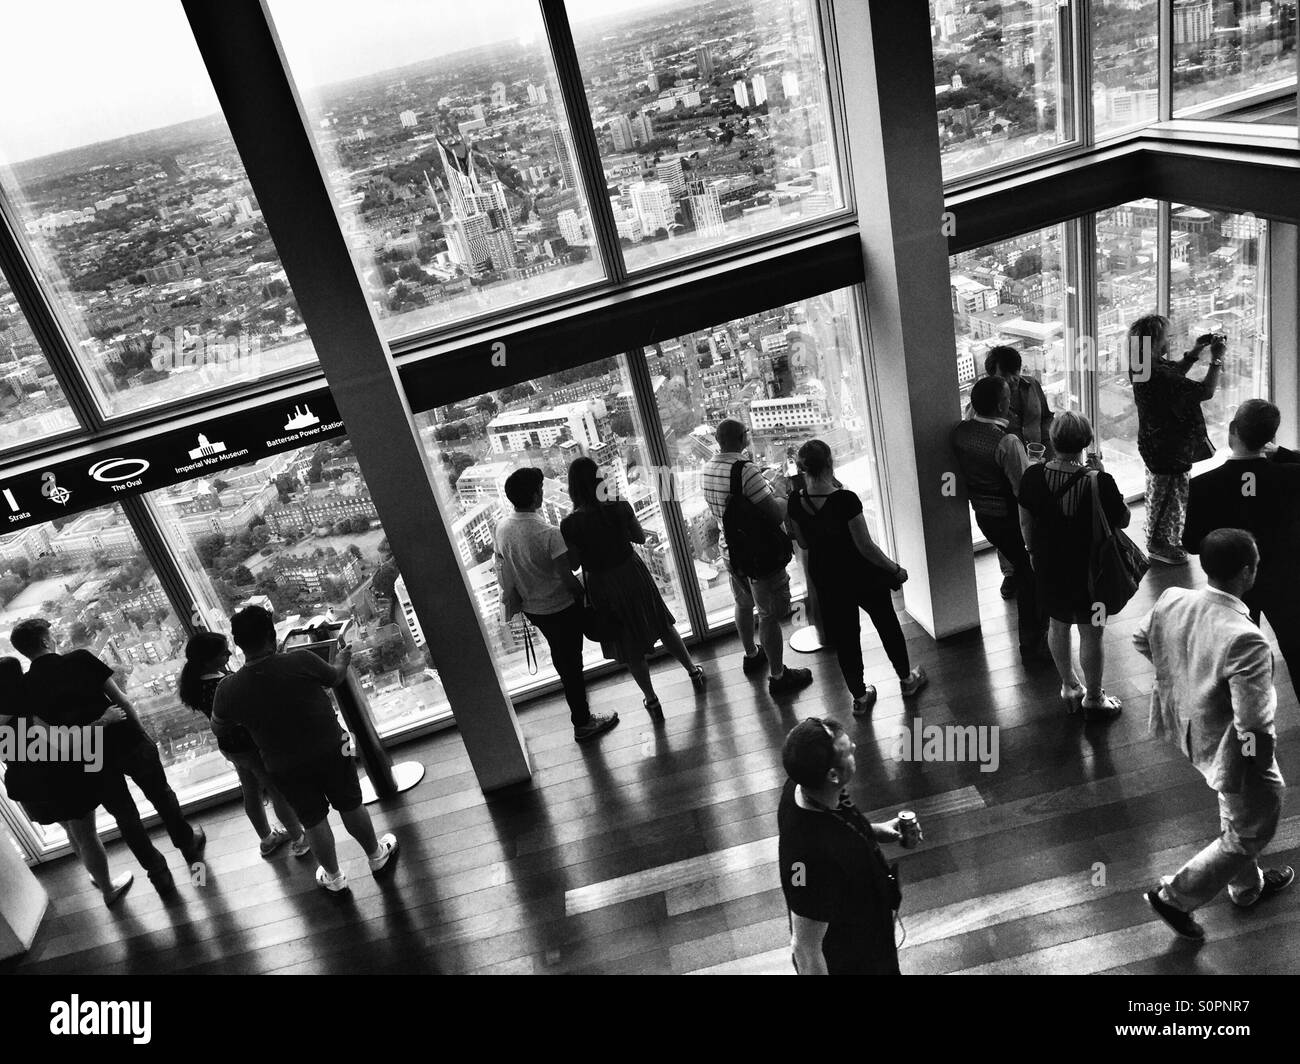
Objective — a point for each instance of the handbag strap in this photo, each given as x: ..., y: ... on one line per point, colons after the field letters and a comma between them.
x: 530, y: 651
x: 1100, y: 526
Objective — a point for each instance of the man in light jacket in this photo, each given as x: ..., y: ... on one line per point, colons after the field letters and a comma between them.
x: 1214, y: 697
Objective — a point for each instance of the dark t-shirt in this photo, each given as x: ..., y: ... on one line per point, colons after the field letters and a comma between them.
x: 833, y: 558
x: 600, y: 535
x: 68, y: 689
x: 837, y: 875
x: 282, y: 701
x: 231, y: 738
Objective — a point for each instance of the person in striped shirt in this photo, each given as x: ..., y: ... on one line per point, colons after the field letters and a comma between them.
x: 770, y: 594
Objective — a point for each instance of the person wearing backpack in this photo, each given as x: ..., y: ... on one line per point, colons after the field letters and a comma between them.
x: 851, y: 573
x: 751, y: 518
x: 1056, y: 520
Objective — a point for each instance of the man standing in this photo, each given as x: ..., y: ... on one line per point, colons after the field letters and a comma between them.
x: 535, y: 577
x: 1214, y: 697
x: 992, y: 461
x: 769, y: 592
x: 74, y: 689
x: 840, y: 894
x: 1029, y: 416
x: 280, y: 698
x: 1258, y: 489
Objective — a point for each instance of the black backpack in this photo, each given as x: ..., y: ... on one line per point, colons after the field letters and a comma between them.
x: 755, y: 546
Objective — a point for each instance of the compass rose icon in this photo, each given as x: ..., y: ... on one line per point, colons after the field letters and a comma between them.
x: 52, y: 491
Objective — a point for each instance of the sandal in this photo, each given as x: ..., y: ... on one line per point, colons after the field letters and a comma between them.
x: 1072, y: 696
x: 1107, y: 709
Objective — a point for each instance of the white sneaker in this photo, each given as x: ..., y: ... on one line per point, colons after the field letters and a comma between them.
x: 387, y: 850
x: 333, y: 884
x: 276, y: 838
x: 301, y: 846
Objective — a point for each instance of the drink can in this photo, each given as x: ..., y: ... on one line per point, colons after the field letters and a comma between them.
x: 909, y: 829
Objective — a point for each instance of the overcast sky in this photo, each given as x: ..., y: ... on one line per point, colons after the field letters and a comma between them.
x: 79, y: 71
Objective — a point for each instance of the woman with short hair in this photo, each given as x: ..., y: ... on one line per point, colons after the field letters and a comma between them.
x: 600, y: 533
x: 1056, y: 500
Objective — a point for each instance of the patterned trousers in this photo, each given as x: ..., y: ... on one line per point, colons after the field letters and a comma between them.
x: 1166, y: 508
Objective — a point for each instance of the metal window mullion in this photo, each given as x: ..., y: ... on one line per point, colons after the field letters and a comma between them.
x: 1085, y: 112
x: 16, y: 262
x: 824, y: 17
x: 568, y: 73
x: 1165, y: 32
x: 1085, y: 264
x: 882, y: 482
x: 670, y: 506
x: 159, y: 554
x: 1067, y: 81
x: 1164, y: 234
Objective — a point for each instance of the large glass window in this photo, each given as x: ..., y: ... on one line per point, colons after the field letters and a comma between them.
x: 1001, y: 89
x: 1125, y: 64
x: 545, y: 423
x: 127, y: 187
x: 449, y: 152
x: 1223, y: 48
x: 298, y: 534
x: 1014, y: 294
x: 712, y: 119
x: 87, y: 576
x: 32, y: 404
x: 791, y: 374
x: 1218, y: 284
x: 1127, y: 282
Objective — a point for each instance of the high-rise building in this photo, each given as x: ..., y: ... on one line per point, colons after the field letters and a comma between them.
x: 562, y: 145
x: 643, y: 127
x: 409, y: 622
x: 572, y: 228
x: 408, y: 119
x: 706, y: 213
x: 704, y: 60
x: 741, y: 92
x: 1193, y: 21
x: 652, y: 202
x: 498, y: 94
x: 760, y: 90
x: 620, y: 129
x: 790, y: 85
x: 669, y: 171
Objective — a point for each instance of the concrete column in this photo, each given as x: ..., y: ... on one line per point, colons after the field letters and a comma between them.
x: 1284, y: 327
x: 23, y: 902
x: 894, y: 155
x: 270, y: 126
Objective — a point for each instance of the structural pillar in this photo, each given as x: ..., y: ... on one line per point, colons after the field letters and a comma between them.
x: 893, y: 152
x: 1284, y: 328
x: 269, y: 125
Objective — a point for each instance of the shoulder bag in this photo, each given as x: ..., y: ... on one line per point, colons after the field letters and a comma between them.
x: 1116, y: 565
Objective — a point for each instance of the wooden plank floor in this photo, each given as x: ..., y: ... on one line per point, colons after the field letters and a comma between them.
x: 654, y: 850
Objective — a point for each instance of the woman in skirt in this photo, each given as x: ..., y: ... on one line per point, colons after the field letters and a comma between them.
x: 600, y: 533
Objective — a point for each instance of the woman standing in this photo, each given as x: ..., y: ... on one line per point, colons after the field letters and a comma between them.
x: 599, y: 534
x: 60, y: 792
x: 1171, y: 426
x: 850, y: 573
x: 207, y: 663
x: 1056, y: 521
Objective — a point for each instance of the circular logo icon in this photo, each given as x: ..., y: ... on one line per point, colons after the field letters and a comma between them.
x: 112, y: 470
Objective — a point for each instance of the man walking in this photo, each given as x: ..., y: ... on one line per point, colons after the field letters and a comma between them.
x: 74, y: 689
x: 1258, y: 489
x: 840, y: 894
x: 280, y: 698
x: 992, y: 460
x: 769, y: 591
x: 535, y: 577
x: 1214, y: 697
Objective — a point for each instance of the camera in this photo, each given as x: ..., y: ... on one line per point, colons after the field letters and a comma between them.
x: 1211, y: 339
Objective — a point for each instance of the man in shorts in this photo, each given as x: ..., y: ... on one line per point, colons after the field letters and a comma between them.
x: 281, y: 699
x: 770, y: 594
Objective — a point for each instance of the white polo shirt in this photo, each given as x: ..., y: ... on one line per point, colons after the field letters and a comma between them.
x: 526, y: 548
